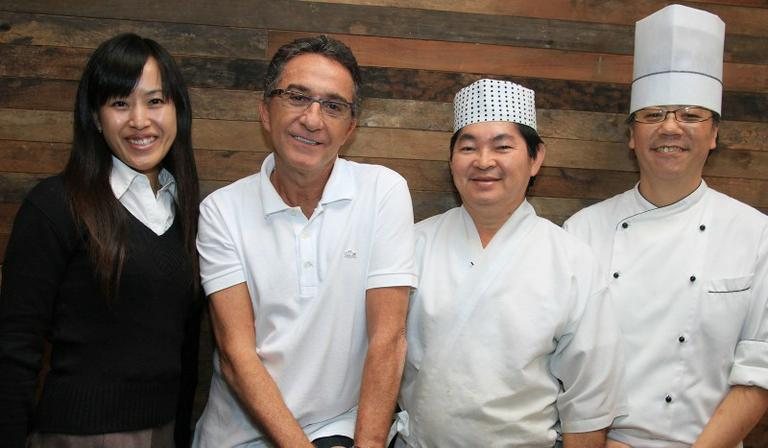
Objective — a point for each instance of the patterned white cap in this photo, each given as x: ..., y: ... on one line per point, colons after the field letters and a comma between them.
x: 678, y: 59
x: 494, y: 100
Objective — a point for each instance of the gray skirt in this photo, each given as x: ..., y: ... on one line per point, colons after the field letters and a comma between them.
x: 159, y: 437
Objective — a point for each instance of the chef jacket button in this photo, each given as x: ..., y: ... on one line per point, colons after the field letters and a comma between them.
x: 702, y: 227
x: 668, y: 399
x: 692, y: 278
x: 615, y: 275
x: 624, y: 225
x: 681, y: 339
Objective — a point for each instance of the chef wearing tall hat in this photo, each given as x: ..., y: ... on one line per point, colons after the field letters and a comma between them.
x: 511, y: 341
x: 687, y: 266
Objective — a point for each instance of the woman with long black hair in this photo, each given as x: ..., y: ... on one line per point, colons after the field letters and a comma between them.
x: 102, y: 264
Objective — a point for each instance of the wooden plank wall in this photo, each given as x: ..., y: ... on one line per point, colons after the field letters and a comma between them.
x: 576, y: 55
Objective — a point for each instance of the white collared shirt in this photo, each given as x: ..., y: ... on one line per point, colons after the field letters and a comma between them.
x: 307, y: 279
x: 134, y: 191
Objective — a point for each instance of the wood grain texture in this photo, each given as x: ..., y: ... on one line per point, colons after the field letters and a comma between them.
x: 513, y: 61
x: 415, y: 55
x: 177, y: 38
x: 743, y: 16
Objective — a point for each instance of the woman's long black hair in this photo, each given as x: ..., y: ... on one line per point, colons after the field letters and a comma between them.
x: 113, y: 71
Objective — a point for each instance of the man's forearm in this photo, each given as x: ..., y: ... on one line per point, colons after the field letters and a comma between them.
x: 232, y: 322
x: 593, y: 439
x: 386, y: 309
x: 735, y: 416
x: 378, y: 393
x: 263, y: 401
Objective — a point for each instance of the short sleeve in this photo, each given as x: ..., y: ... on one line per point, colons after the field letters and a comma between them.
x: 750, y: 365
x: 392, y: 254
x: 220, y: 262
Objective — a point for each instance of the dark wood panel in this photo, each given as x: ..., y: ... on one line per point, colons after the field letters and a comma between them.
x: 37, y: 93
x: 35, y: 125
x: 227, y: 166
x: 411, y: 23
x: 242, y: 105
x: 512, y: 61
x: 177, y: 38
x: 225, y: 104
x: 33, y: 157
x: 428, y: 85
x: 64, y: 63
x: 26, y: 61
x: 747, y: 20
x: 565, y: 150
x: 25, y: 64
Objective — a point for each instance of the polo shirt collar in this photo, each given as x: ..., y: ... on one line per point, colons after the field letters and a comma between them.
x: 340, y: 186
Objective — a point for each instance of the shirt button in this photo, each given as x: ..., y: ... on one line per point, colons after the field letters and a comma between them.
x: 615, y: 275
x: 702, y: 227
x: 304, y: 235
x: 307, y: 264
x: 624, y: 225
x: 692, y: 278
x: 668, y: 399
x: 681, y: 339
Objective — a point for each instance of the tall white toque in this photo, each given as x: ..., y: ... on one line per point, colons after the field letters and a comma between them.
x: 494, y: 100
x: 678, y: 59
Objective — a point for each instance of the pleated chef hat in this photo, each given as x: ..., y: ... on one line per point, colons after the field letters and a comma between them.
x: 678, y: 59
x: 493, y: 100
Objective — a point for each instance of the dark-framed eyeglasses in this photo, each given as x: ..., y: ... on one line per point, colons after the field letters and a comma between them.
x: 300, y: 102
x: 687, y: 114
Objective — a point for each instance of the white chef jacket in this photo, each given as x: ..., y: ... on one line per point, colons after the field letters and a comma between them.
x: 689, y: 284
x: 307, y: 279
x: 506, y: 340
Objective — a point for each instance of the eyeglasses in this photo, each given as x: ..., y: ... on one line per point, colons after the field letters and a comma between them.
x: 300, y: 102
x: 688, y: 114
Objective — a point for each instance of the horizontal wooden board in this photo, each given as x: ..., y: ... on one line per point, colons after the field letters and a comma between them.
x: 740, y: 16
x: 512, y: 61
x: 65, y: 63
x: 413, y: 23
x: 33, y: 157
x: 565, y: 149
x: 26, y: 64
x: 177, y: 38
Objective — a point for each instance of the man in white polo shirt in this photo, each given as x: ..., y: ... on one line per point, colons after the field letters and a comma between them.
x: 308, y: 265
x: 687, y: 266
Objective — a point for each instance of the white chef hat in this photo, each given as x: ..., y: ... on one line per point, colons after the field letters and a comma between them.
x: 678, y: 59
x: 493, y: 100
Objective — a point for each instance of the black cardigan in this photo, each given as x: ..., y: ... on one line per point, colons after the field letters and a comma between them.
x: 116, y: 365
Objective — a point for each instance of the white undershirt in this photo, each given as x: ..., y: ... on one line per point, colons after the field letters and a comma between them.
x: 134, y: 191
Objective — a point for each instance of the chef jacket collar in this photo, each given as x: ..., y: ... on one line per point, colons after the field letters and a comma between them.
x: 643, y: 205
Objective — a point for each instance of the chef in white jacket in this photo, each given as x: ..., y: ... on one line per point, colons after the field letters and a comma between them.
x: 510, y: 338
x: 687, y: 266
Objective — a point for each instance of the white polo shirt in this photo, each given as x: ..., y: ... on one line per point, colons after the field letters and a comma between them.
x: 307, y: 280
